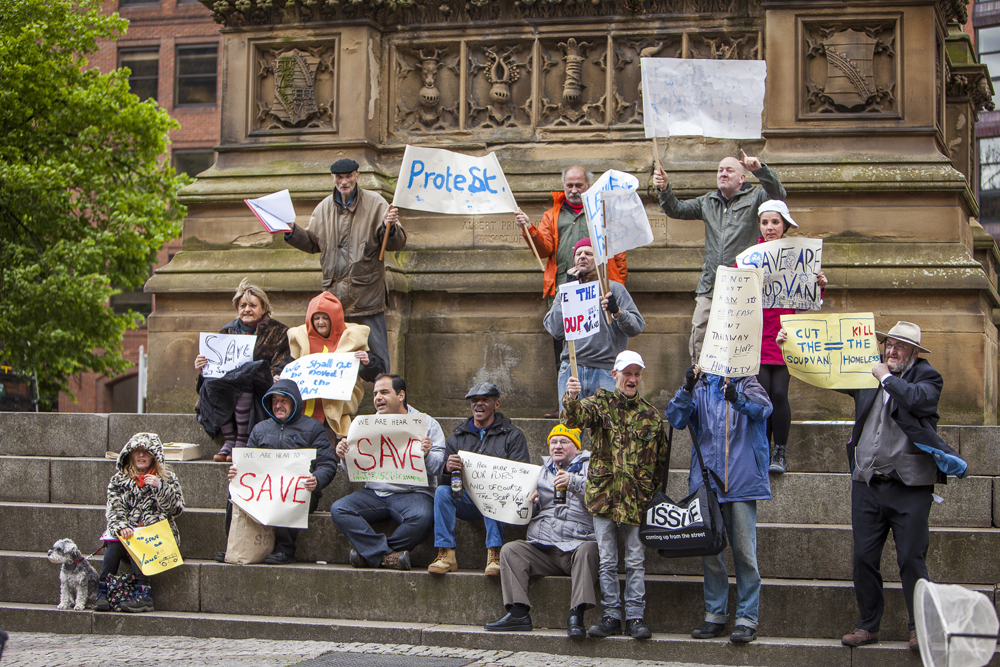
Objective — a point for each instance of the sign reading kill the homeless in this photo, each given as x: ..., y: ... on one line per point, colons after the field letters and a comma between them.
x: 835, y: 351
x: 790, y: 267
x: 387, y: 448
x: 270, y: 485
x: 500, y: 489
x: 735, y: 324
x: 581, y: 309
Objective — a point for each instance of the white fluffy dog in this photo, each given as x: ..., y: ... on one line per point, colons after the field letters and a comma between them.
x: 77, y: 579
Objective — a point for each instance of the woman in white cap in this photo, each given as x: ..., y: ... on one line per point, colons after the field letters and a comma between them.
x: 774, y: 220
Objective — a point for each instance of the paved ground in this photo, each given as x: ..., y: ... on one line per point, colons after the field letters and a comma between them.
x: 31, y: 649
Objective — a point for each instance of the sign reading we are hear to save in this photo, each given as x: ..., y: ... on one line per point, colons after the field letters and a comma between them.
x: 387, y: 448
x: 270, y: 485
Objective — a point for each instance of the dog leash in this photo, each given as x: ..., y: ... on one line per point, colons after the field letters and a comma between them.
x: 99, y: 549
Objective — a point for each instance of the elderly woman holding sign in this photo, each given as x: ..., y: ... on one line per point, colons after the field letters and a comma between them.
x: 227, y: 403
x: 774, y: 220
x: 326, y: 331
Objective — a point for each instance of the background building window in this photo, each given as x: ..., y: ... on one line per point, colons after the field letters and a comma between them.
x: 197, y: 70
x: 989, y: 184
x: 137, y: 3
x: 193, y: 162
x: 144, y: 65
x: 988, y: 45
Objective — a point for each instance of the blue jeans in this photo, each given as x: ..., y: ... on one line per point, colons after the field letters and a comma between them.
x: 447, y: 508
x: 353, y: 514
x: 635, y: 568
x: 740, y: 519
x: 591, y: 379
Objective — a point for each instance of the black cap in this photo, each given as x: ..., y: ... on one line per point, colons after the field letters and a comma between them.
x: 344, y: 165
x: 484, y: 389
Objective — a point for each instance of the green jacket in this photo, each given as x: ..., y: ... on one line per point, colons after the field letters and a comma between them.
x: 628, y: 452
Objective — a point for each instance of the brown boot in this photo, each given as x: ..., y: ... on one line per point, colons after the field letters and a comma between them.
x: 914, y: 644
x: 444, y: 563
x: 493, y: 562
x: 860, y: 637
x: 397, y: 560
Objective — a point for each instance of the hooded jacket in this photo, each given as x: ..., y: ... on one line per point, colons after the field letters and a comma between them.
x: 296, y: 432
x: 502, y: 440
x: 564, y: 527
x: 131, y: 505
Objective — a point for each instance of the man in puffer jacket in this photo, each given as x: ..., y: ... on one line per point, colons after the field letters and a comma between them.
x: 288, y: 428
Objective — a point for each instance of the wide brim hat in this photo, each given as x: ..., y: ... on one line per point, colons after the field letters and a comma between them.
x: 908, y: 332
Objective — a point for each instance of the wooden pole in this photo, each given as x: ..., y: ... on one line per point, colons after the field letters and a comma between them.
x: 534, y: 249
x: 385, y: 237
x: 572, y: 359
x: 602, y: 277
x: 656, y: 155
x: 727, y: 435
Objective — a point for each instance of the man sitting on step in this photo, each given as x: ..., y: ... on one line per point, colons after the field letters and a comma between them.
x: 410, y: 506
x: 560, y: 540
x: 489, y: 433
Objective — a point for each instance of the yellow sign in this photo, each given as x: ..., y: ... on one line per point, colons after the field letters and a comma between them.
x: 154, y: 548
x: 832, y: 351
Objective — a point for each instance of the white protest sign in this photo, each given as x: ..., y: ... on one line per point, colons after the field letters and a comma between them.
x: 735, y: 325
x: 609, y: 180
x: 710, y: 98
x: 328, y: 375
x: 626, y: 225
x: 440, y: 181
x: 224, y: 352
x: 790, y: 267
x: 500, y: 489
x: 270, y: 485
x: 386, y: 448
x: 581, y: 309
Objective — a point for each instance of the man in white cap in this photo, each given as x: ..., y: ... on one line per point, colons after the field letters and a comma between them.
x: 628, y: 455
x: 896, y: 458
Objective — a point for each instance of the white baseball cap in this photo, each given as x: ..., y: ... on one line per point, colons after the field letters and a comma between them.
x: 627, y: 358
x: 779, y: 207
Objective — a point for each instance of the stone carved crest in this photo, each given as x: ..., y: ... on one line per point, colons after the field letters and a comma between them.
x: 506, y: 102
x: 725, y: 46
x: 295, y: 88
x: 431, y: 68
x: 573, y: 85
x: 850, y: 69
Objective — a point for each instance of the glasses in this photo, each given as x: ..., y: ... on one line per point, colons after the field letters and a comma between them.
x: 898, y: 345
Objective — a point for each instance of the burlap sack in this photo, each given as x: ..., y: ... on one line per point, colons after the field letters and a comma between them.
x: 249, y: 542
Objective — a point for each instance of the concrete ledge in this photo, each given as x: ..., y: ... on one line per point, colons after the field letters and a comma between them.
x: 170, y: 428
x: 16, y: 617
x: 24, y: 479
x: 53, y: 434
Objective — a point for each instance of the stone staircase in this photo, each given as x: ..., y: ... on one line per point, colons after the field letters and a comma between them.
x: 53, y: 477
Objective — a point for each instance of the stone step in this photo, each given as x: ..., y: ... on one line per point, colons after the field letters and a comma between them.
x: 678, y: 648
x: 674, y: 603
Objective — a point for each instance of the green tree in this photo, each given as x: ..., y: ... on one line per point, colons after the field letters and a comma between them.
x: 86, y: 199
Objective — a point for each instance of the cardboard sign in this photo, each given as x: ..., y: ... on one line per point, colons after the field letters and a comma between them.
x: 735, y: 325
x: 386, y: 448
x: 702, y: 98
x: 327, y: 375
x: 499, y: 488
x: 154, y: 548
x: 832, y: 351
x: 274, y: 211
x: 436, y: 180
x: 224, y: 352
x: 581, y: 309
x: 790, y: 267
x: 626, y: 225
x: 270, y: 485
x: 609, y: 180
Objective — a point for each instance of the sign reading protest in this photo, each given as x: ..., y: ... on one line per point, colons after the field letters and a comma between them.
x: 735, y: 325
x: 581, y: 309
x: 702, y: 98
x: 833, y: 351
x: 440, y: 181
x: 609, y: 180
x: 154, y: 548
x: 387, y: 448
x: 328, y: 375
x: 790, y: 267
x: 626, y: 225
x: 500, y: 489
x: 270, y: 485
x: 224, y: 352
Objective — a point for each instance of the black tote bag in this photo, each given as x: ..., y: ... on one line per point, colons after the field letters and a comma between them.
x: 690, y: 527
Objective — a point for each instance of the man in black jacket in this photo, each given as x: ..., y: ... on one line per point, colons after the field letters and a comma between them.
x: 288, y: 428
x: 896, y: 457
x: 488, y: 433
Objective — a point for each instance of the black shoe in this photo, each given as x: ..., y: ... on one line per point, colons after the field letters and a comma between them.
x: 778, y: 464
x: 510, y: 623
x: 574, y: 625
x: 743, y: 634
x: 220, y: 556
x: 356, y: 559
x: 607, y: 627
x: 637, y: 628
x: 707, y: 630
x: 278, y: 558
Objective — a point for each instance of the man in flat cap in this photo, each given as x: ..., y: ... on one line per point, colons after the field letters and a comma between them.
x: 347, y: 229
x: 489, y: 433
x: 896, y: 457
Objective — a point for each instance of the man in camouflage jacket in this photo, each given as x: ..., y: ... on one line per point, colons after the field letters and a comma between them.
x: 628, y: 453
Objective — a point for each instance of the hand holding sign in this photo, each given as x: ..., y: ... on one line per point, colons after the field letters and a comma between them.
x: 271, y: 485
x: 223, y: 352
x: 153, y: 547
x: 500, y: 489
x: 329, y: 375
x: 735, y: 324
x: 386, y: 448
x: 791, y: 269
x: 832, y: 351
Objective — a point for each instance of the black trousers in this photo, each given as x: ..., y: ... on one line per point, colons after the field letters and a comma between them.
x: 114, y: 554
x: 876, y: 509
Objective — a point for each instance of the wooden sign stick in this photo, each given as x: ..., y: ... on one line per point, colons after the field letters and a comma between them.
x: 726, y: 384
x: 656, y: 155
x: 602, y: 276
x: 385, y: 237
x: 572, y: 359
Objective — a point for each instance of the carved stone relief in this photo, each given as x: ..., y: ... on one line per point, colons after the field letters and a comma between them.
x: 626, y: 105
x: 499, y: 83
x: 725, y: 46
x: 427, y: 88
x: 850, y: 68
x: 295, y: 88
x: 573, y: 82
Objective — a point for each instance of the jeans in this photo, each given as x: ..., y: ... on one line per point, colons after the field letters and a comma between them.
x: 353, y: 514
x: 591, y: 379
x: 740, y: 519
x: 635, y: 568
x: 447, y: 508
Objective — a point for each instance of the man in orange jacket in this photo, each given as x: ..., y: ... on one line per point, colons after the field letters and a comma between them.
x: 561, y: 228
